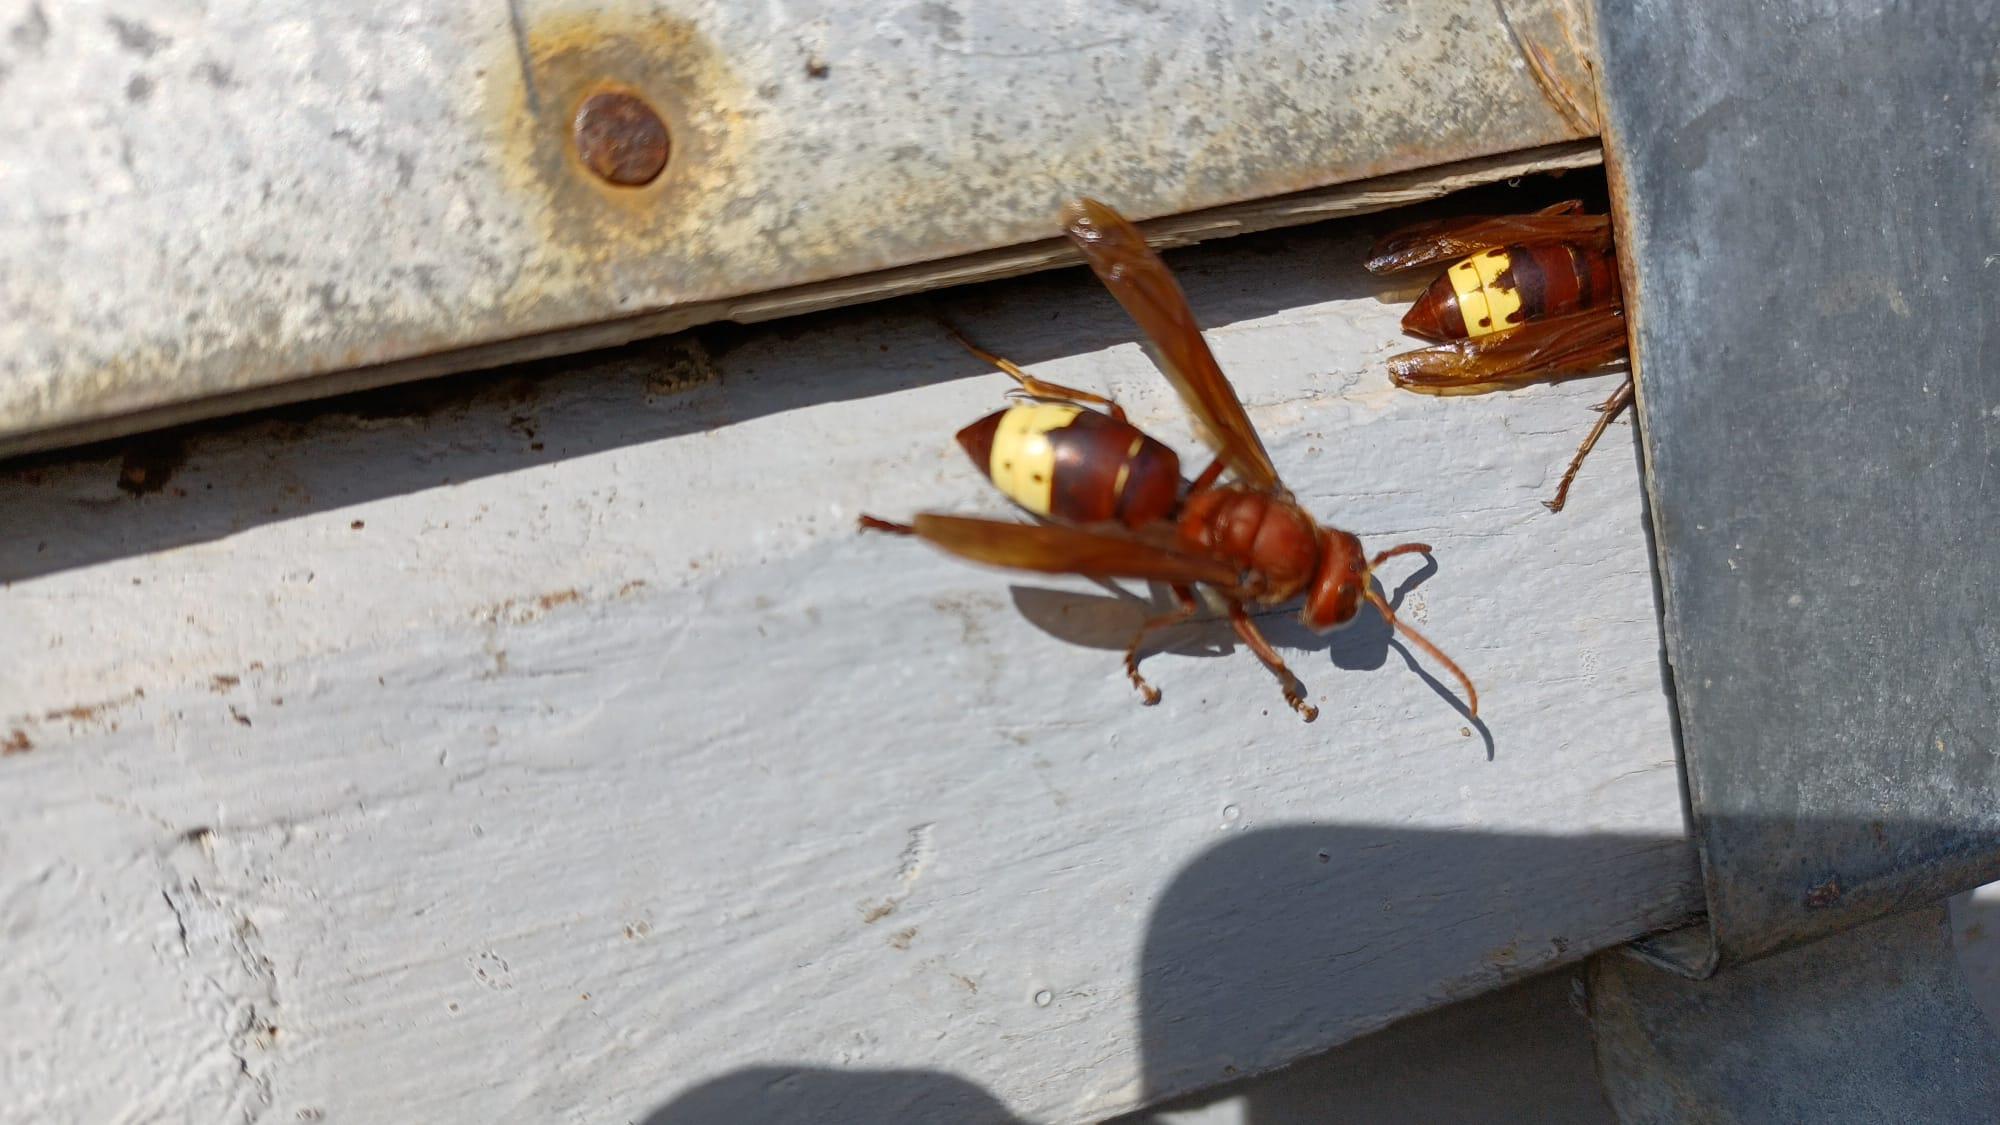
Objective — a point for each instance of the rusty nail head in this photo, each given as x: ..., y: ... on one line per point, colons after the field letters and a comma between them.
x: 620, y: 138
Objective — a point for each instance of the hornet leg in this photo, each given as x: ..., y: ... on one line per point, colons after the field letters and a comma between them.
x: 870, y: 523
x: 1247, y: 629
x: 1037, y: 388
x: 1182, y: 611
x: 1607, y: 410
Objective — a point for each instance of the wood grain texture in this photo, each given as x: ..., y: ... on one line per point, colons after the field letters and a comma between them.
x: 551, y: 747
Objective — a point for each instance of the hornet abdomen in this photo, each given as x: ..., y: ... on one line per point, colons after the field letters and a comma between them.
x: 1073, y: 464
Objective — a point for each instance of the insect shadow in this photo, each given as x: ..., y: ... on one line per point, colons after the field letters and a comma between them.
x: 1107, y: 621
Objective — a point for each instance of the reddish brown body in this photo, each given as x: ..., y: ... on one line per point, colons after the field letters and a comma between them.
x: 1550, y: 279
x: 1272, y: 540
x: 1524, y: 298
x: 1088, y: 473
x: 1281, y: 550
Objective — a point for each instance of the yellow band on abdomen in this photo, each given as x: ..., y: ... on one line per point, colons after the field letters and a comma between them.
x: 1485, y: 306
x: 1023, y: 462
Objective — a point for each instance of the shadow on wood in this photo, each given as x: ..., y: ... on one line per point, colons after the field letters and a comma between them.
x: 173, y: 488
x: 1258, y: 948
x: 1264, y: 949
x: 1110, y: 620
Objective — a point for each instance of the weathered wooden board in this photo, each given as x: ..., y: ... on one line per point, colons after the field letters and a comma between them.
x: 206, y: 205
x: 559, y: 752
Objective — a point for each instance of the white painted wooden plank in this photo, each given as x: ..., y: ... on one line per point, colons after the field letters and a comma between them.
x: 560, y: 753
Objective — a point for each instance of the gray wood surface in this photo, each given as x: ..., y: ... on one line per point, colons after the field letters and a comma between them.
x: 551, y: 747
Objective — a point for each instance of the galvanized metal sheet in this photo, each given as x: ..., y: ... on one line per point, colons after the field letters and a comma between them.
x: 1871, y: 1026
x: 1811, y: 240
x: 204, y: 199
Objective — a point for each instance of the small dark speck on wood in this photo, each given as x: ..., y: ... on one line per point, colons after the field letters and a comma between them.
x: 149, y: 465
